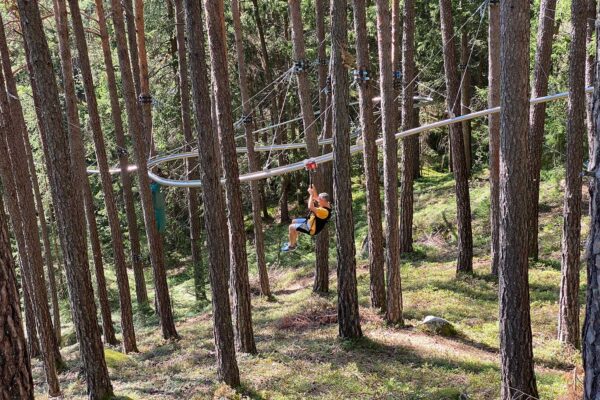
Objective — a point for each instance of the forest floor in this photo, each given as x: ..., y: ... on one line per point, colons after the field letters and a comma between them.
x: 299, y: 354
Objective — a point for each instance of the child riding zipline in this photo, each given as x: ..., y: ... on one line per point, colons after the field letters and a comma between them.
x: 320, y: 212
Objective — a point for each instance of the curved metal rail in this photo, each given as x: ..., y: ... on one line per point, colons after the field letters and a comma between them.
x: 269, y: 173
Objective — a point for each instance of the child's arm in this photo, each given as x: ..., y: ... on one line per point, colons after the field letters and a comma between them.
x: 311, y: 200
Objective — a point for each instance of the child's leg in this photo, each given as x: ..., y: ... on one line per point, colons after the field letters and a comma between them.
x: 293, y: 234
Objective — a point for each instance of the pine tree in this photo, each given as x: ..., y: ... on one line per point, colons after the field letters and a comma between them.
x: 369, y: 135
x: 16, y: 381
x: 215, y: 220
x: 516, y: 358
x: 494, y: 131
x: 410, y: 145
x: 390, y: 165
x: 78, y: 160
x: 568, y: 318
x: 127, y: 328
x: 155, y: 244
x: 126, y: 181
x: 459, y: 166
x: 69, y: 213
x: 537, y: 118
x: 240, y: 285
x: 348, y: 317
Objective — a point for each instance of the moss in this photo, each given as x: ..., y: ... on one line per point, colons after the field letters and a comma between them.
x: 114, y: 358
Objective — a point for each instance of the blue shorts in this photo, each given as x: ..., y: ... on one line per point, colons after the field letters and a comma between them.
x: 301, y: 225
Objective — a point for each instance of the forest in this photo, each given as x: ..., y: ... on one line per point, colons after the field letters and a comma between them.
x: 299, y: 199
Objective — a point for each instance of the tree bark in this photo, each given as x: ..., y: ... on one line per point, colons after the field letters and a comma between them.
x: 239, y: 283
x: 253, y: 162
x: 145, y: 97
x: 494, y: 132
x: 78, y: 160
x: 16, y: 381
x: 15, y: 175
x: 68, y: 211
x: 127, y: 328
x: 410, y: 145
x: 191, y: 164
x: 17, y: 113
x: 155, y: 244
x: 284, y: 216
x: 33, y: 343
x: 390, y: 165
x: 310, y: 134
x: 459, y: 166
x: 537, y: 119
x: 369, y: 135
x: 126, y: 181
x: 321, y: 282
x: 129, y: 15
x: 214, y: 217
x: 568, y: 318
x: 591, y: 325
x: 516, y: 358
x: 590, y: 75
x: 465, y: 95
x: 347, y: 308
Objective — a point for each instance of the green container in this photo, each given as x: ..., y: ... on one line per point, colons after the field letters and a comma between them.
x: 158, y: 201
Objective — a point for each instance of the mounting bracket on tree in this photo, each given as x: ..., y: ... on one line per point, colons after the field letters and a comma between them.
x: 360, y: 75
x: 300, y: 66
x: 122, y: 152
x: 247, y: 119
x: 397, y: 80
x: 327, y: 88
x: 145, y: 99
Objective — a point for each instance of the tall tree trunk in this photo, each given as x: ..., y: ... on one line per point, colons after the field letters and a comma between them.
x: 465, y: 95
x: 33, y: 343
x: 126, y: 181
x: 310, y: 133
x: 15, y: 175
x: 214, y: 217
x: 410, y: 145
x: 78, y: 160
x: 459, y: 166
x: 284, y: 216
x: 568, y: 318
x: 390, y: 165
x: 155, y: 244
x: 17, y: 112
x: 369, y: 135
x: 145, y: 97
x: 239, y: 283
x: 494, y: 131
x: 516, y: 358
x: 253, y: 162
x: 127, y: 328
x: 537, y: 119
x: 347, y: 308
x: 16, y: 381
x: 321, y: 282
x: 68, y: 210
x: 191, y: 164
x: 591, y: 325
x: 90, y: 217
x: 590, y: 75
x: 129, y: 15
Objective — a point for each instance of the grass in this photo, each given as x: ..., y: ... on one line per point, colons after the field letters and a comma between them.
x: 300, y: 355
